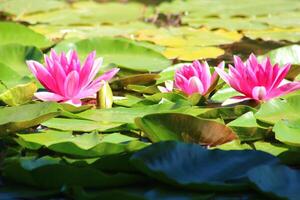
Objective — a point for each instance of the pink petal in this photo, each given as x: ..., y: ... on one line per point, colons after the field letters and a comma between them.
x: 236, y: 99
x: 280, y: 76
x: 195, y: 86
x: 95, y: 68
x: 86, y: 69
x: 205, y: 76
x: 48, y: 96
x: 223, y: 75
x: 74, y: 102
x: 252, y: 61
x: 43, y: 75
x: 181, y: 82
x: 238, y: 63
x: 259, y: 93
x: 90, y: 91
x: 59, y: 76
x: 214, y: 77
x: 107, y: 75
x: 53, y: 55
x: 162, y: 89
x: 71, y: 84
x: 284, y: 89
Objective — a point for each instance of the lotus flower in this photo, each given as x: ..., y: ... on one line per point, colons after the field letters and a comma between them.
x: 257, y: 81
x: 169, y: 87
x: 196, y: 78
x: 67, y: 81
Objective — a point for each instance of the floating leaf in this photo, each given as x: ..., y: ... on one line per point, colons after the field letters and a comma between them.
x: 122, y: 52
x: 231, y: 24
x: 275, y: 34
x: 193, y: 53
x: 188, y: 165
x: 288, y: 131
x: 278, y: 109
x: 247, y: 128
x: 15, y: 56
x: 23, y: 7
x: 19, y: 94
x: 89, y: 12
x: 24, y: 36
x: 26, y: 116
x: 87, y: 145
x: 276, y: 181
x: 79, y: 125
x: 34, y: 171
x: 127, y: 115
x: 184, y: 127
x: 188, y: 37
x: 226, y: 113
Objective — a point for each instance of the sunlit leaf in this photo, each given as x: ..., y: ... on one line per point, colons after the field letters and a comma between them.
x: 20, y: 34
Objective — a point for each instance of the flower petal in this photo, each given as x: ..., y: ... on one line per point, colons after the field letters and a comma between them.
x: 235, y: 99
x: 107, y: 75
x: 71, y: 84
x: 195, y: 86
x: 48, y: 96
x: 259, y: 93
x: 284, y: 89
x: 43, y: 75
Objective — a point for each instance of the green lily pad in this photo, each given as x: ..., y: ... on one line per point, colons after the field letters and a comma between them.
x: 226, y: 113
x: 278, y: 109
x: 248, y: 129
x: 79, y: 125
x: 184, y: 127
x: 23, y: 7
x: 26, y: 116
x: 127, y: 115
x: 24, y: 36
x: 288, y: 131
x: 122, y: 52
x: 88, y: 145
x: 15, y: 56
x: 19, y: 94
x: 89, y: 12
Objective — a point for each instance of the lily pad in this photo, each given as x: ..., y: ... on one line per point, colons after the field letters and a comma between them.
x: 88, y: 145
x: 278, y: 109
x: 89, y: 12
x: 25, y: 35
x: 248, y: 129
x: 23, y: 7
x: 288, y: 131
x: 79, y: 125
x: 275, y: 34
x: 276, y: 181
x: 184, y: 127
x: 26, y: 116
x: 193, y: 53
x: 19, y: 94
x: 122, y: 52
x: 188, y: 165
x: 15, y: 56
x: 34, y: 171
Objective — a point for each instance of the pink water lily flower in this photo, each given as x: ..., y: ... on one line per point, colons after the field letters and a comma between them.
x: 169, y: 87
x: 196, y: 78
x: 257, y: 81
x: 66, y: 80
